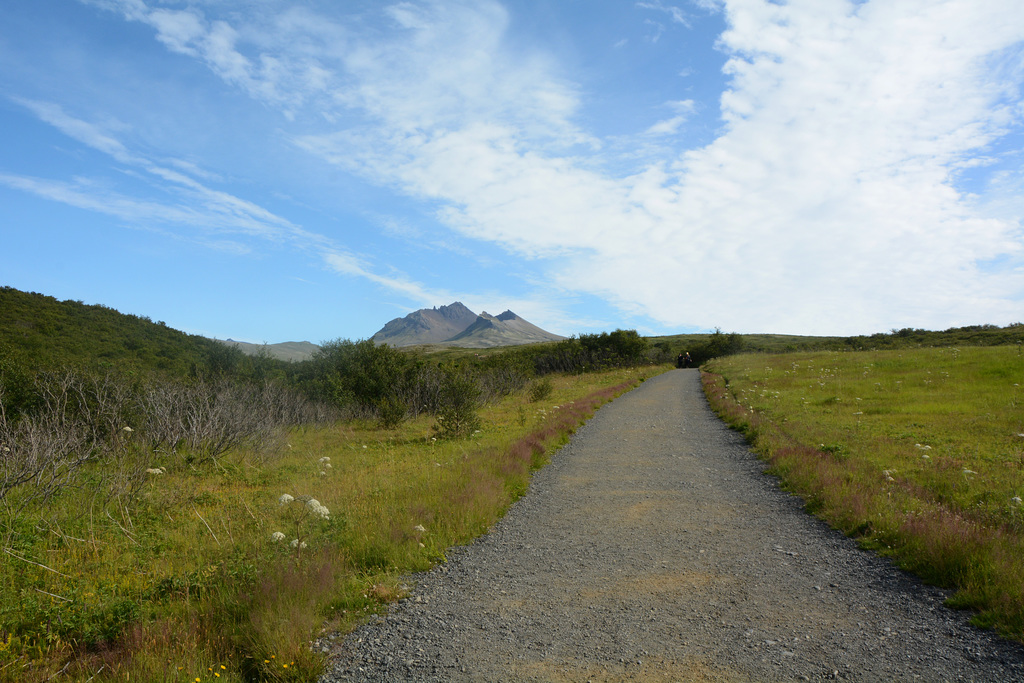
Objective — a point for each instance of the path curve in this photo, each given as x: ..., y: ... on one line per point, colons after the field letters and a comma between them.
x: 654, y: 548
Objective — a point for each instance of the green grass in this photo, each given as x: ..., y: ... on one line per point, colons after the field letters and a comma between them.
x: 185, y: 582
x: 919, y: 453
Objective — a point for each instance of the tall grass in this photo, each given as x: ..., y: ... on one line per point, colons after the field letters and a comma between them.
x: 206, y: 575
x: 919, y: 453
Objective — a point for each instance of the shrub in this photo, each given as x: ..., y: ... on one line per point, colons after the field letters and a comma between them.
x: 540, y: 390
x: 460, y: 397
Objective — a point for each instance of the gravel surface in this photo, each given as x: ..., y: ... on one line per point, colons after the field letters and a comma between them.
x: 654, y: 548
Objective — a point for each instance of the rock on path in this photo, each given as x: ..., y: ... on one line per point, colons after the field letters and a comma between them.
x: 654, y: 548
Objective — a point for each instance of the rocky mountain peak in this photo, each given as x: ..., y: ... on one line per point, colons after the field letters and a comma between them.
x: 457, y: 325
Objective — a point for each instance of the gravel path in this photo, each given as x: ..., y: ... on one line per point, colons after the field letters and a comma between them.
x: 654, y: 548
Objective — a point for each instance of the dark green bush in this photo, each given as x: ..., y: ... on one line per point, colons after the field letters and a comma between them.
x: 719, y: 344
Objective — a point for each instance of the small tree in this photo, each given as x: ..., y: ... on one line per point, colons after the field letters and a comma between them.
x: 460, y: 397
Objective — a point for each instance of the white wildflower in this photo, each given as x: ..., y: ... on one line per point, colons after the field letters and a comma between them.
x: 127, y: 430
x: 967, y: 471
x: 318, y: 509
x: 420, y: 528
x: 324, y: 459
x: 285, y: 499
x: 154, y: 470
x: 1016, y: 500
x: 277, y: 537
x: 296, y: 543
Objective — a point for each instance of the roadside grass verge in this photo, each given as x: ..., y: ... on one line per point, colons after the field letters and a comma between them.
x: 917, y: 453
x: 214, y: 574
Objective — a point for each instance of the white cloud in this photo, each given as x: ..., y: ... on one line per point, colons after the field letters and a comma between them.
x: 827, y: 203
x: 178, y: 30
x: 278, y: 69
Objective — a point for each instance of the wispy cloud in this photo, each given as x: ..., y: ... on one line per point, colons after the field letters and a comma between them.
x: 183, y: 201
x: 87, y: 133
x: 676, y: 14
x: 682, y: 109
x: 349, y: 264
x: 85, y: 195
x: 202, y: 205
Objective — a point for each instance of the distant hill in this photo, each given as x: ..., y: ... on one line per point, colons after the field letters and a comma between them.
x: 456, y: 325
x: 287, y: 351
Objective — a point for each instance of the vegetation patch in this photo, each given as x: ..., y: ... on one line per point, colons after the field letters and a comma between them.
x: 917, y: 452
x: 156, y: 559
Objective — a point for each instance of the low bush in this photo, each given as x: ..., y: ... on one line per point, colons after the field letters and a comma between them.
x: 540, y: 390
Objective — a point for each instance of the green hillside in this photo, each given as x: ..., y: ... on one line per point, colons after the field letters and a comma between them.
x: 41, y: 332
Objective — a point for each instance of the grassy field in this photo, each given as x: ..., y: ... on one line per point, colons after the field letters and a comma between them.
x: 226, y: 571
x: 919, y: 453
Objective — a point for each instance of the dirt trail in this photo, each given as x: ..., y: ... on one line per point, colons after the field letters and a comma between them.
x: 654, y: 548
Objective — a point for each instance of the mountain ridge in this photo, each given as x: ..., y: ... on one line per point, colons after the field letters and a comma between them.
x: 452, y: 325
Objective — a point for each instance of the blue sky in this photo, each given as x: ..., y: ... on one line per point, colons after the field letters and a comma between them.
x: 270, y: 170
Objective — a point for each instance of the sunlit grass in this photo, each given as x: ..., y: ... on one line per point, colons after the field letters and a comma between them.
x: 918, y: 452
x: 190, y: 582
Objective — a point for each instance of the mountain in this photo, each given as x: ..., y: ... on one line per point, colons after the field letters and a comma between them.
x: 427, y: 326
x: 456, y: 325
x: 506, y: 329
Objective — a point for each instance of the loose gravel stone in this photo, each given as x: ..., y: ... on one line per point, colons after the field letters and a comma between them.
x: 655, y: 548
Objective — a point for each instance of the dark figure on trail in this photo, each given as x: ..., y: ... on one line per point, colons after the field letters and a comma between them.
x: 683, y: 361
